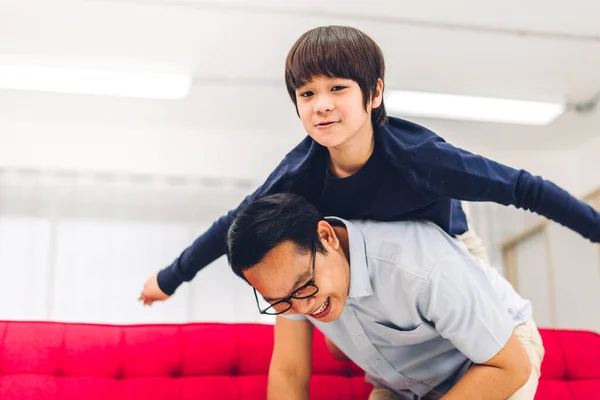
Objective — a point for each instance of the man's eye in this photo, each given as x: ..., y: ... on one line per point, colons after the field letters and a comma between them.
x: 280, y: 307
x: 306, y: 94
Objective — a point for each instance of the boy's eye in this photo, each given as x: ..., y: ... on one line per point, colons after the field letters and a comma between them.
x: 338, y: 88
x: 306, y: 94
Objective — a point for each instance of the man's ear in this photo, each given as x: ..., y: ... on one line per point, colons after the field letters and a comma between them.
x: 327, y: 235
x: 378, y: 95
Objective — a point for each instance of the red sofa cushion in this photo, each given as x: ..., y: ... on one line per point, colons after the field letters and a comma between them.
x: 571, y: 367
x: 66, y: 361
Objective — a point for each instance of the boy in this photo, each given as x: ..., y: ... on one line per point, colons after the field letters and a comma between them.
x: 358, y: 164
x: 403, y: 300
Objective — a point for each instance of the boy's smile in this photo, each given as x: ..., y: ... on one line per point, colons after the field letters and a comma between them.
x: 326, y: 125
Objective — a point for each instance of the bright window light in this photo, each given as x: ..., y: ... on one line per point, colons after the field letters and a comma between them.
x: 95, y: 82
x: 448, y: 106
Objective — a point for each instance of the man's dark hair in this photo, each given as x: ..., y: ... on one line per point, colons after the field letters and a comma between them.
x: 337, y: 51
x: 267, y: 222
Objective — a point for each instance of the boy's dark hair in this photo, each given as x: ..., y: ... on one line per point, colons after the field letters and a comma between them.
x: 268, y: 222
x: 337, y: 51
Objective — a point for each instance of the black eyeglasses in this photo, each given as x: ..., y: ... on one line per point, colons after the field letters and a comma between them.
x: 304, y: 292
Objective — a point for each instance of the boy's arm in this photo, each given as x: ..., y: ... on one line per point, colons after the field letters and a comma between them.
x: 211, y: 245
x: 442, y: 170
x: 498, y: 378
x: 290, y: 369
x: 205, y: 249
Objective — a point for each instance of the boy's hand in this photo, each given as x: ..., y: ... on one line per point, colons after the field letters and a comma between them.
x: 152, y: 292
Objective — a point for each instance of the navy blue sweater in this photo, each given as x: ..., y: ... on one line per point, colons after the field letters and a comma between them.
x: 412, y: 174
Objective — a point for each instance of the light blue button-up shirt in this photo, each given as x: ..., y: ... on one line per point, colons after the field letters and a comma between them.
x: 420, y: 308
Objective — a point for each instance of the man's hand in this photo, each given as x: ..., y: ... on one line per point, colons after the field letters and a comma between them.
x: 152, y: 292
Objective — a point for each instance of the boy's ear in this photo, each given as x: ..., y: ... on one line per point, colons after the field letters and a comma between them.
x: 378, y: 96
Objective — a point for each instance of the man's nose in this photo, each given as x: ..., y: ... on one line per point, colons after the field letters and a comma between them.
x: 303, y: 306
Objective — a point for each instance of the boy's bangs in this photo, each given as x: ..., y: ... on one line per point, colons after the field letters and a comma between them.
x: 321, y: 57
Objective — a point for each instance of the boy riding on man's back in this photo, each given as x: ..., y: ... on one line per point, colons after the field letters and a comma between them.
x: 356, y: 163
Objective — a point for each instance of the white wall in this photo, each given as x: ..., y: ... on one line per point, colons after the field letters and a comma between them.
x: 214, y: 132
x: 588, y: 157
x: 78, y: 247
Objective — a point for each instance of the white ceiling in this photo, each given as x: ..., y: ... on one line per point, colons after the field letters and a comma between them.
x: 235, y: 49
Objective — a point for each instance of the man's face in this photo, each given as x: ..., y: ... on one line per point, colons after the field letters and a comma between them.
x: 284, y: 269
x: 332, y: 110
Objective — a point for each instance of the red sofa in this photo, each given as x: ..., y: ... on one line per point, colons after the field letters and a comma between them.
x: 59, y: 361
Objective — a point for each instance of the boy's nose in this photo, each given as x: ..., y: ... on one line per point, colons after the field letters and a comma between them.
x: 323, y: 105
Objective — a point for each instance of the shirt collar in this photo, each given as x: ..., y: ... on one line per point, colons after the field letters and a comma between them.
x: 360, y: 282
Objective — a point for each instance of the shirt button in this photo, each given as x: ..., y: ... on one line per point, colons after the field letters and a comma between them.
x: 378, y: 361
x: 359, y: 337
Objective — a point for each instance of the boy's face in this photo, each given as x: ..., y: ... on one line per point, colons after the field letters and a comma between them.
x: 332, y: 110
x: 284, y: 270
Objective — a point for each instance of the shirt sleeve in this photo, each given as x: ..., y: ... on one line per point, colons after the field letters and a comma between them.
x: 212, y: 243
x: 461, y: 302
x: 441, y: 170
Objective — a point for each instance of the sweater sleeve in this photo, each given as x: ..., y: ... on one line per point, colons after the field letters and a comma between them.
x: 439, y: 169
x: 212, y: 243
x: 205, y: 249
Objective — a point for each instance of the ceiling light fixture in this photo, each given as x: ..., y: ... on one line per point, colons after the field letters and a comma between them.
x: 94, y: 82
x: 487, y: 109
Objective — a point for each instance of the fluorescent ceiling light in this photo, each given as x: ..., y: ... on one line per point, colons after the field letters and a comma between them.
x: 95, y: 82
x: 448, y: 106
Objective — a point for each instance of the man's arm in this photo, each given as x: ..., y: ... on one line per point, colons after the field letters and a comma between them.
x: 462, y: 300
x: 498, y: 378
x: 290, y: 369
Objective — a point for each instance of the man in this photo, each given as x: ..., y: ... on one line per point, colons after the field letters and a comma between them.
x: 403, y: 300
